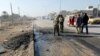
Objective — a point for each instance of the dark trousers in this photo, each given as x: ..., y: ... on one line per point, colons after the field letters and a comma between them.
x: 56, y: 29
x: 61, y: 26
x: 86, y: 26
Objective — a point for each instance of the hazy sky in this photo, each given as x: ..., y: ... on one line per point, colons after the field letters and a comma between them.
x: 43, y: 7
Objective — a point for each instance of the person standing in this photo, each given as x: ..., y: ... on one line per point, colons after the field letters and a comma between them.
x: 61, y: 21
x: 85, y: 23
x: 78, y: 23
x: 56, y: 26
x: 70, y: 21
x: 73, y: 19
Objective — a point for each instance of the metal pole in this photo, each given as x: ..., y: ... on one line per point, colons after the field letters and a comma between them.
x: 19, y: 14
x: 19, y: 11
x: 11, y: 12
x: 60, y: 7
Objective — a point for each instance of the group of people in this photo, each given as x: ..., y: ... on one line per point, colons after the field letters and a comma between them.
x: 58, y: 24
x: 82, y: 21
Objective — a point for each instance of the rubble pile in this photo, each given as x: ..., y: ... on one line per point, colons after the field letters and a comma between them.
x: 15, y: 42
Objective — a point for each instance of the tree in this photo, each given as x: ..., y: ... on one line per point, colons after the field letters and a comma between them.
x: 52, y: 15
x: 5, y: 15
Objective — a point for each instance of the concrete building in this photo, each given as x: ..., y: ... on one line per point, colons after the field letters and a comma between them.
x: 94, y: 12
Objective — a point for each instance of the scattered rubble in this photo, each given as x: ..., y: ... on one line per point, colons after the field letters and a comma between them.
x: 15, y: 42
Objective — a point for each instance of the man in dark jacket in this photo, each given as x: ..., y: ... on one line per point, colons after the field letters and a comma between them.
x: 85, y: 22
x: 79, y: 23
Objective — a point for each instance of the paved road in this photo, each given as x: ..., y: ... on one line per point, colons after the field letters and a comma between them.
x: 69, y: 44
x: 93, y: 29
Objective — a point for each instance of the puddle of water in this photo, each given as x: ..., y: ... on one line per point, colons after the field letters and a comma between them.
x: 40, y: 41
x: 37, y: 34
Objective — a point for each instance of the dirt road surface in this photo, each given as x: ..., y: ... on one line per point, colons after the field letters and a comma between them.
x: 68, y: 44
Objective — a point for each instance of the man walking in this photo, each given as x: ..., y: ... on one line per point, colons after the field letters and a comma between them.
x: 78, y: 23
x: 85, y: 23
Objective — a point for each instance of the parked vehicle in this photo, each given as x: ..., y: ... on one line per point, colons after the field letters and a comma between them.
x: 94, y: 21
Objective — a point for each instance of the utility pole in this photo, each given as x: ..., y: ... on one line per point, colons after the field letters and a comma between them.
x: 11, y: 12
x: 19, y: 16
x: 60, y: 6
x: 19, y: 11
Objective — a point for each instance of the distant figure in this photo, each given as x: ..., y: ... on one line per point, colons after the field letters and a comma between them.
x: 85, y: 23
x: 73, y: 19
x: 61, y: 21
x: 56, y: 26
x: 70, y: 21
x: 79, y: 23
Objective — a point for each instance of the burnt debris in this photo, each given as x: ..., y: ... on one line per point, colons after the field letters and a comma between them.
x: 15, y: 42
